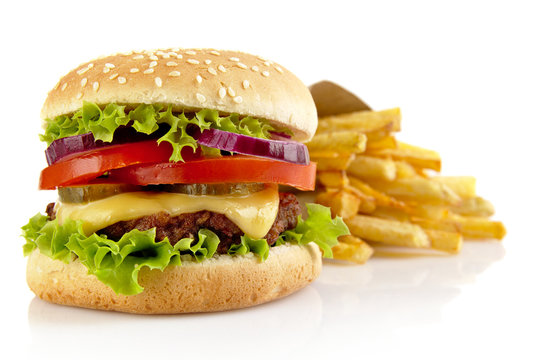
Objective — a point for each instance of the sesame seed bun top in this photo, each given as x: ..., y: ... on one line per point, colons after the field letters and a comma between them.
x: 189, y: 80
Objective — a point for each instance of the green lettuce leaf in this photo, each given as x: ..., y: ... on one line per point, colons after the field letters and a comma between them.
x: 259, y: 247
x: 147, y: 119
x: 318, y: 227
x: 117, y: 263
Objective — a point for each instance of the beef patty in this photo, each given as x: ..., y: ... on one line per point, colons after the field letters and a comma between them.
x: 182, y: 226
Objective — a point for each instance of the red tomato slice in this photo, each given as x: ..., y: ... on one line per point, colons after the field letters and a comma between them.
x: 81, y: 168
x: 228, y: 169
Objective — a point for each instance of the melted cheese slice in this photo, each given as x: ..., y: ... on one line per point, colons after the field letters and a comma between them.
x: 253, y: 213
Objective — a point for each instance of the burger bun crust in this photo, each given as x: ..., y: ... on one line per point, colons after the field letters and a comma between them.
x: 190, y: 80
x: 221, y: 283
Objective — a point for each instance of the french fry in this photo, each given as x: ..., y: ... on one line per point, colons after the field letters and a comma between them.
x: 372, y: 167
x: 339, y: 141
x: 414, y: 155
x: 333, y: 179
x: 469, y: 227
x: 381, y: 198
x: 391, y: 214
x: 367, y: 204
x: 332, y: 163
x: 388, y: 231
x: 463, y: 186
x: 417, y: 190
x: 351, y: 248
x: 364, y: 121
x: 342, y: 203
x: 427, y: 211
x: 405, y: 170
x: 450, y: 242
x: 475, y: 206
x: 383, y: 142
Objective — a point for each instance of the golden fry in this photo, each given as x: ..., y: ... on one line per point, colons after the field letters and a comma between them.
x: 372, y: 167
x: 417, y: 190
x: 351, y: 248
x: 332, y: 163
x: 378, y: 143
x: 333, y: 179
x: 381, y: 198
x: 338, y: 141
x: 391, y: 214
x: 469, y: 227
x: 414, y: 155
x: 342, y: 203
x: 427, y: 211
x: 388, y: 231
x: 405, y: 170
x: 475, y: 206
x: 450, y: 242
x: 463, y: 186
x: 364, y: 121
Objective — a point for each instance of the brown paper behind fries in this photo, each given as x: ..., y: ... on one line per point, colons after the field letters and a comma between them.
x: 332, y: 99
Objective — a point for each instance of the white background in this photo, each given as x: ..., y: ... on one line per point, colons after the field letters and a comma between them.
x: 467, y: 77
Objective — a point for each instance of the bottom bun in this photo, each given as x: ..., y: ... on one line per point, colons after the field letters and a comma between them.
x: 221, y: 283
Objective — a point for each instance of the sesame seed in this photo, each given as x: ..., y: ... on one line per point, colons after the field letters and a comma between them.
x: 265, y: 73
x: 234, y: 59
x: 83, y: 82
x: 261, y: 58
x: 193, y: 61
x: 112, y: 77
x: 238, y: 99
x: 200, y: 97
x: 138, y: 57
x: 179, y: 56
x: 83, y: 70
x: 134, y: 70
x: 230, y: 91
x: 279, y: 69
x: 166, y: 56
x: 199, y: 79
x: 175, y: 49
x: 152, y: 64
x: 172, y: 53
x: 241, y: 65
x: 109, y: 65
x: 212, y: 71
x: 214, y: 52
x: 95, y: 85
x: 255, y: 68
x: 174, y: 73
x: 153, y: 57
x: 90, y: 66
x: 121, y: 80
x: 171, y: 63
x: 222, y: 92
x: 158, y: 82
x: 79, y: 95
x: 127, y: 53
x: 221, y: 68
x: 64, y: 86
x: 159, y: 52
x: 106, y: 70
x: 148, y: 71
x: 190, y: 52
x: 208, y: 61
x: 246, y: 84
x: 56, y: 86
x: 267, y: 63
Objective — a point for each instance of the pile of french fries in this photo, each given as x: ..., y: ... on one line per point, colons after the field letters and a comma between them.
x: 389, y: 192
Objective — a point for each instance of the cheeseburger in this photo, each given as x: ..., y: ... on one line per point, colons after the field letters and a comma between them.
x: 169, y: 166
